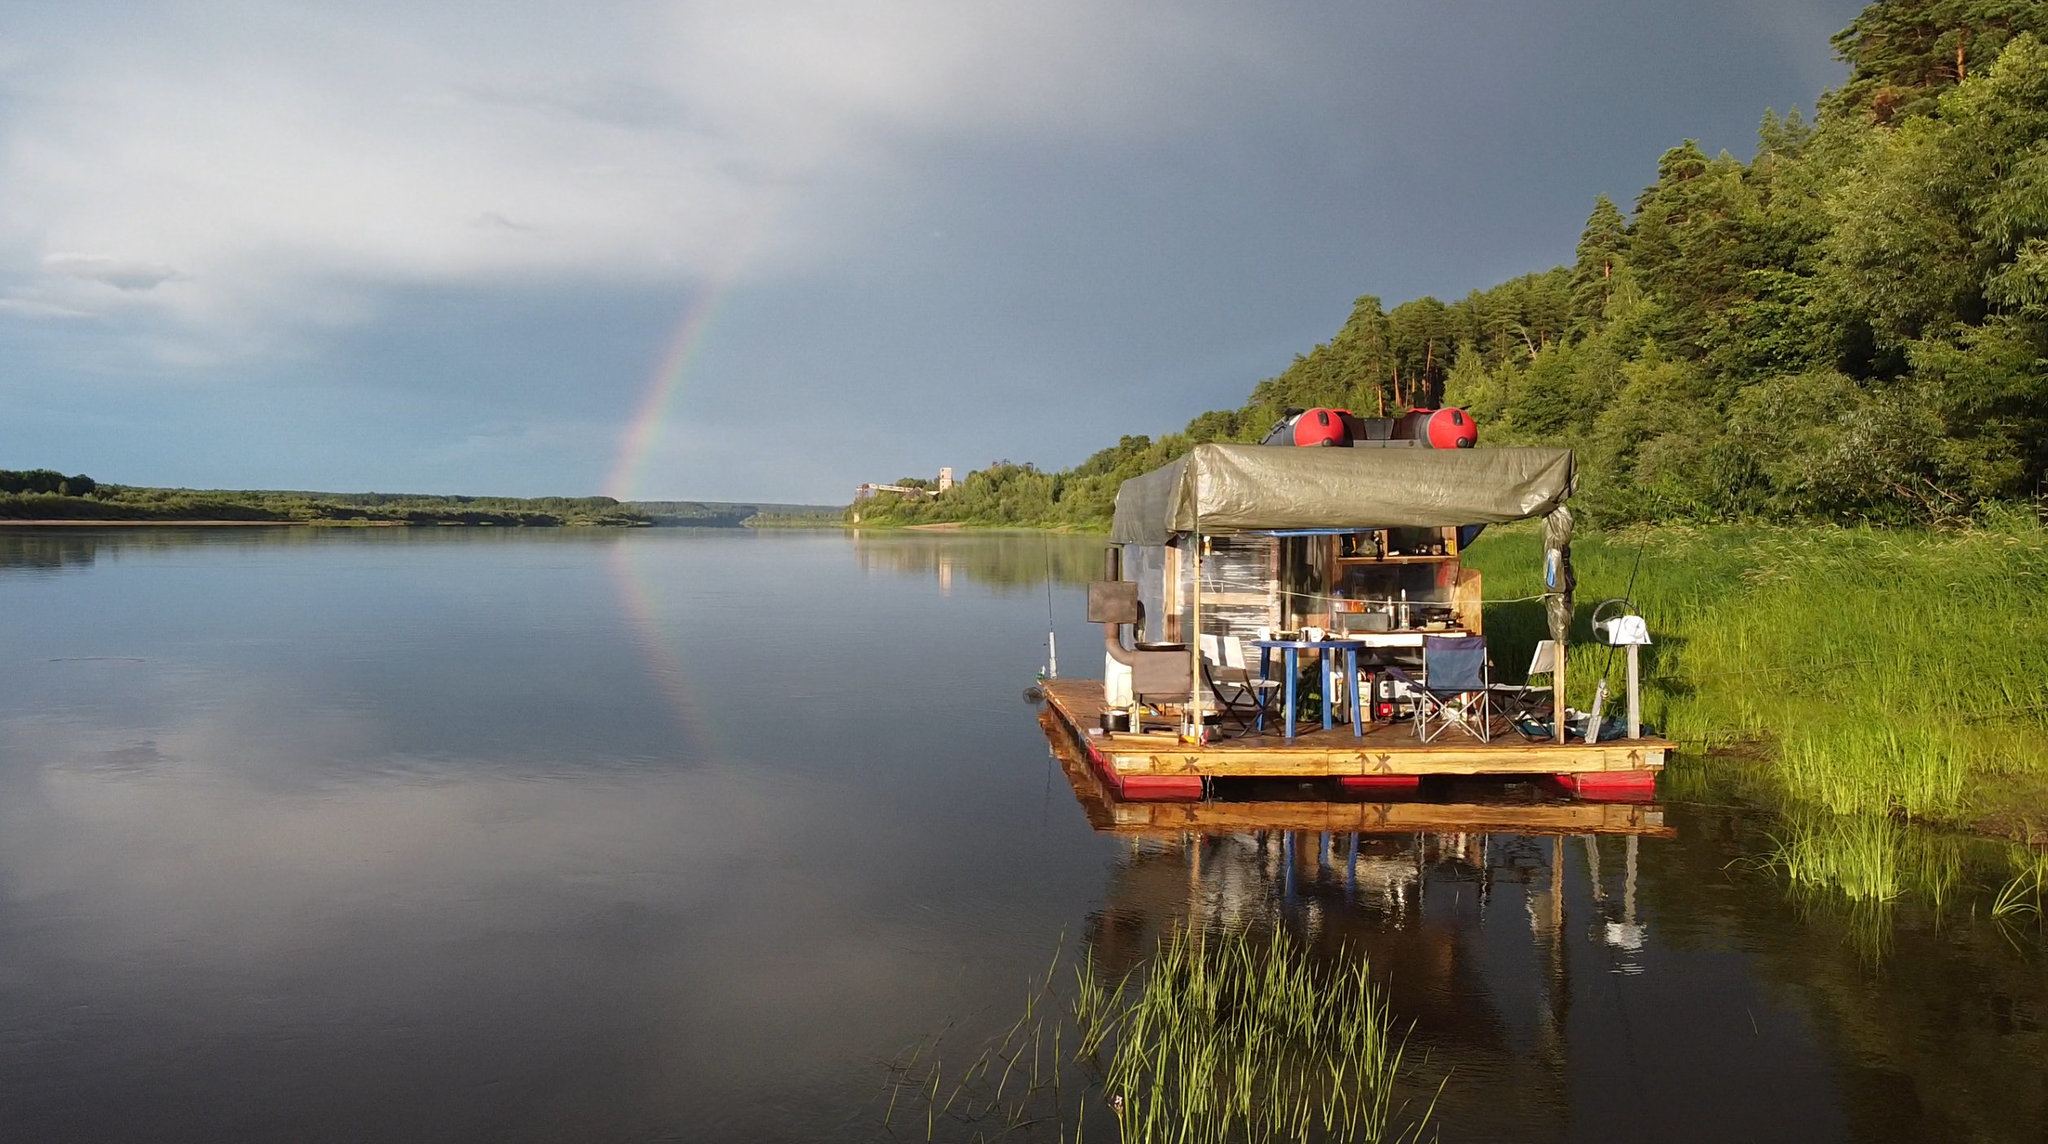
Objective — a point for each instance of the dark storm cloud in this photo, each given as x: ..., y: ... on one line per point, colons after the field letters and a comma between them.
x: 450, y: 249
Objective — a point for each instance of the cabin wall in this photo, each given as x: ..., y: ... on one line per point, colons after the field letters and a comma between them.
x: 1305, y: 580
x: 1285, y: 583
x: 1239, y: 591
x: 1145, y: 565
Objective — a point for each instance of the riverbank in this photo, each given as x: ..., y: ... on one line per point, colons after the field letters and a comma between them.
x: 108, y: 504
x: 45, y: 498
x: 889, y: 525
x: 1846, y: 672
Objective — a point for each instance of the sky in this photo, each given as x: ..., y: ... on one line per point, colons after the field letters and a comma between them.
x: 770, y: 249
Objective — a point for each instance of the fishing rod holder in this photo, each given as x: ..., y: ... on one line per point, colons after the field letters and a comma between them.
x: 1616, y: 624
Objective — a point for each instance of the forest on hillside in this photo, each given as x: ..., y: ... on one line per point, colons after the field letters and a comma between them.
x: 1850, y: 325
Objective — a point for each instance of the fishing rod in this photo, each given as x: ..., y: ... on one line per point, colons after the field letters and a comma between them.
x: 1052, y: 641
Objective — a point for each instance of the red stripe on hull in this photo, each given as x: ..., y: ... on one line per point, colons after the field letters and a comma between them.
x: 1151, y: 787
x: 1380, y: 782
x: 1611, y: 786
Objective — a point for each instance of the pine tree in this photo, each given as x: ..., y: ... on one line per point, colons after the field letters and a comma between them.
x: 1602, y: 247
x: 1903, y: 53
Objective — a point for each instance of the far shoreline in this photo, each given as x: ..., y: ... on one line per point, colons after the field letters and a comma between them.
x: 89, y: 523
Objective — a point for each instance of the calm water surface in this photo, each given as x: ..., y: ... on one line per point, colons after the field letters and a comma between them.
x: 460, y: 835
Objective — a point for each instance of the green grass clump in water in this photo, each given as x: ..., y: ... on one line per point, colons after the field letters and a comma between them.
x: 1858, y: 855
x: 1219, y: 1037
x: 1235, y: 1039
x: 2024, y: 892
x: 1888, y: 671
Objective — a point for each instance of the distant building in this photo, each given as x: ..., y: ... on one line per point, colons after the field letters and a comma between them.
x: 867, y: 491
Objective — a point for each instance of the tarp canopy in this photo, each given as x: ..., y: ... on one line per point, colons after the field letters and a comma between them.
x: 1220, y: 488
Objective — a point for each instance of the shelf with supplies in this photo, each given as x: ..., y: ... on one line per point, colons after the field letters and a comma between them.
x: 1398, y: 546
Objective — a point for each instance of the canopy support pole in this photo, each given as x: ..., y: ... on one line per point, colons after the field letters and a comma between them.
x: 1558, y: 583
x: 1557, y: 697
x: 1193, y: 720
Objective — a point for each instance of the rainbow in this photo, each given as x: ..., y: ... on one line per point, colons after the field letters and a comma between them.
x: 636, y: 595
x: 644, y: 616
x: 682, y: 348
x: 647, y: 421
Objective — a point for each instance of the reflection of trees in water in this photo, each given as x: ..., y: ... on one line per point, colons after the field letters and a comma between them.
x: 1936, y: 1012
x: 1001, y: 559
x: 45, y: 550
x: 48, y: 548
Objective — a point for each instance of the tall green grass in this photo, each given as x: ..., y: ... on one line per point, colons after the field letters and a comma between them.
x: 1218, y: 1037
x: 1877, y: 671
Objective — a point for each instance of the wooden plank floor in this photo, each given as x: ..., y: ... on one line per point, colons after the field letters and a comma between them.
x: 1360, y: 815
x: 1385, y: 750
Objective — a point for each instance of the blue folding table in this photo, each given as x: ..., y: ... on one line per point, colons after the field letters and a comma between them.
x: 1292, y: 650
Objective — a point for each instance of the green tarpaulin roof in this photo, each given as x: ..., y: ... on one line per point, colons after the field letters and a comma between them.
x: 1238, y: 488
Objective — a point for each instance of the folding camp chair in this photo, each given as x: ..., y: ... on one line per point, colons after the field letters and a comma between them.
x: 1240, y: 697
x: 1453, y: 691
x: 1526, y: 706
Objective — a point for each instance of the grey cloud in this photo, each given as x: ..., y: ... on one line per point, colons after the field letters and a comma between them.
x: 1147, y: 206
x: 36, y: 308
x: 120, y: 273
x: 628, y: 104
x: 492, y: 220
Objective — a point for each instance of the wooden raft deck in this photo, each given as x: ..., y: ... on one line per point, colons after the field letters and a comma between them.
x: 1110, y: 814
x: 1386, y: 752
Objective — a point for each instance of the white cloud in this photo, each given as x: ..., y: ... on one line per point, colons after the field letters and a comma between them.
x: 230, y: 170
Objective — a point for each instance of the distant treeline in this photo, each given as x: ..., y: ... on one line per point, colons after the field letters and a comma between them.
x: 1851, y: 325
x: 46, y: 481
x: 722, y: 514
x: 44, y: 494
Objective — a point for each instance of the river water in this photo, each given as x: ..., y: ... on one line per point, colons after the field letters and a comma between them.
x: 688, y: 835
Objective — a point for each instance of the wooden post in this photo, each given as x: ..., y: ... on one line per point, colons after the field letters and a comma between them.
x: 1168, y: 630
x: 1194, y: 716
x: 1635, y: 694
x: 1468, y: 601
x: 1557, y: 694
